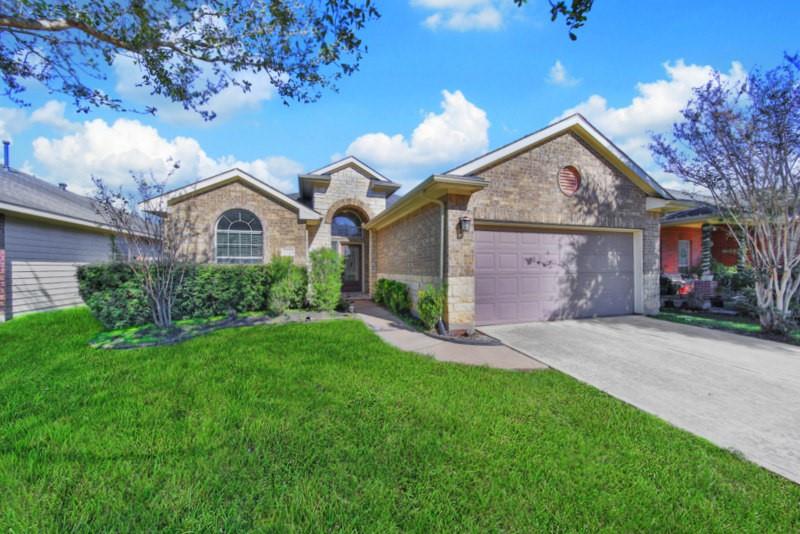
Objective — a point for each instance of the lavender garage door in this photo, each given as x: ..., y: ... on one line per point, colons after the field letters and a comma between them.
x: 525, y: 276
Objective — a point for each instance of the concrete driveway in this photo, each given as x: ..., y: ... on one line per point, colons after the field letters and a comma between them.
x: 740, y: 393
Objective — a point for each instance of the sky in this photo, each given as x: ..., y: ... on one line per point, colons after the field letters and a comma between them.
x: 443, y: 81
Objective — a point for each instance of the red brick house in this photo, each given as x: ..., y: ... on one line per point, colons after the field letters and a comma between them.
x: 682, y: 237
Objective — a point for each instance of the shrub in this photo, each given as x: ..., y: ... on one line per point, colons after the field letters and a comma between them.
x: 209, y: 290
x: 394, y: 295
x: 430, y: 305
x: 733, y: 279
x: 115, y: 296
x: 325, y: 279
x: 288, y: 289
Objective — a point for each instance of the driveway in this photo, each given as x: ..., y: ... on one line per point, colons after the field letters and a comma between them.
x: 740, y: 393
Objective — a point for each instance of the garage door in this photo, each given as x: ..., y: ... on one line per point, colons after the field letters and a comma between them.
x: 541, y: 276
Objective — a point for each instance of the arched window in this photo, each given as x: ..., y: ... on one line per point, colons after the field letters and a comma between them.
x: 240, y: 238
x: 346, y: 224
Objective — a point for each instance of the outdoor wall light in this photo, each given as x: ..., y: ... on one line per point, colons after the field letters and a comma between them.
x: 465, y: 223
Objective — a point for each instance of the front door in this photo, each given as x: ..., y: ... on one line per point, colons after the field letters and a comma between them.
x: 351, y: 278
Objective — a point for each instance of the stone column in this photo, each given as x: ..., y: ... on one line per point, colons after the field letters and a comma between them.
x: 459, y: 266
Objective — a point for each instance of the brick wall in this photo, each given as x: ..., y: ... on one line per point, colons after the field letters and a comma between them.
x: 669, y: 247
x: 725, y: 248
x: 408, y: 250
x: 3, y: 310
x: 281, y: 226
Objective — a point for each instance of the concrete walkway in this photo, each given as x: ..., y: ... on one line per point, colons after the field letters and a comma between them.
x: 738, y: 392
x: 395, y: 332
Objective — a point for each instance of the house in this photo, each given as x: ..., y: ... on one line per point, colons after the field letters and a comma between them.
x: 46, y: 232
x: 682, y: 236
x: 558, y: 224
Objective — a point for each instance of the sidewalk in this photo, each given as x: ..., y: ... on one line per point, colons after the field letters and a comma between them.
x: 395, y: 332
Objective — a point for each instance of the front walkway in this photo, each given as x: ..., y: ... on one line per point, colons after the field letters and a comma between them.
x: 739, y: 392
x: 394, y: 331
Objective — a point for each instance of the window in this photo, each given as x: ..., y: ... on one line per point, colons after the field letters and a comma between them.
x: 684, y: 255
x: 569, y: 180
x: 239, y: 238
x: 346, y: 224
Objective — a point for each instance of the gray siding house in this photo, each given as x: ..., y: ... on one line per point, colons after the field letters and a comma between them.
x: 46, y: 232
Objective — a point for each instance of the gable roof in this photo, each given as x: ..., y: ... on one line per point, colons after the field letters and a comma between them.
x: 322, y: 176
x: 349, y: 161
x: 27, y: 195
x: 577, y: 124
x: 159, y: 203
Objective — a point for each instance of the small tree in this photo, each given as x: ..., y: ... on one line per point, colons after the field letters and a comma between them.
x: 152, y: 244
x: 740, y: 140
x: 325, y: 279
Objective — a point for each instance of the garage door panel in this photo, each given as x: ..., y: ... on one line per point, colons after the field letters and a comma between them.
x: 554, y: 275
x: 507, y: 261
x: 484, y: 262
x: 485, y: 286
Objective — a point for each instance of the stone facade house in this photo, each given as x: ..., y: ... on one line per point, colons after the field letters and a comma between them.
x: 558, y: 224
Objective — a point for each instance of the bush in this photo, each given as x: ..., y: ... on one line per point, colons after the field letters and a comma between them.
x: 394, y: 295
x: 325, y: 279
x: 114, y: 295
x: 210, y: 290
x: 116, y: 298
x: 430, y: 305
x: 288, y: 289
x: 733, y: 279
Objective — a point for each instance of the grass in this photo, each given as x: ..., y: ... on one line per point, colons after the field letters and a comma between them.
x: 323, y: 427
x: 735, y: 324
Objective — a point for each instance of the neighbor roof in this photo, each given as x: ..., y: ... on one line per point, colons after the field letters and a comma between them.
x: 158, y: 204
x: 579, y: 125
x: 24, y: 194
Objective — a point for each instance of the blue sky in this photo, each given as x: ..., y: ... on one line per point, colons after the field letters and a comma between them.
x: 443, y: 81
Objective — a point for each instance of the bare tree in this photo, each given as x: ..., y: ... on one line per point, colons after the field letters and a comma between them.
x: 740, y: 140
x: 155, y: 245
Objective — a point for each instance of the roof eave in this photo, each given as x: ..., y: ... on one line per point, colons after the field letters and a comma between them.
x: 432, y: 188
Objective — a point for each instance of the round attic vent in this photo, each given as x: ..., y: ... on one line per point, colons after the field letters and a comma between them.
x: 569, y: 180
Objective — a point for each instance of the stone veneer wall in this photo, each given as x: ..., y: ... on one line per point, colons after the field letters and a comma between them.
x: 346, y: 184
x: 408, y: 250
x: 281, y: 226
x: 525, y: 189
x: 3, y: 281
x: 460, y: 267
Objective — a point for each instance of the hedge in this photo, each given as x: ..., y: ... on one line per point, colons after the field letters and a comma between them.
x: 114, y: 294
x: 392, y: 294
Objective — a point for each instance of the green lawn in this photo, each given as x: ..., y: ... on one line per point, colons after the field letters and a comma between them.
x: 323, y: 427
x: 736, y: 324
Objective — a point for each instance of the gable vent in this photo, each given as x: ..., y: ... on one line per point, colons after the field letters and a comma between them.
x: 569, y: 180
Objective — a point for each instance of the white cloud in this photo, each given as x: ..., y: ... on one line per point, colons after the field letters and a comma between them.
x: 52, y: 114
x: 459, y: 132
x: 558, y: 75
x: 12, y: 121
x: 462, y: 15
x: 112, y: 151
x: 227, y: 103
x: 654, y: 109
